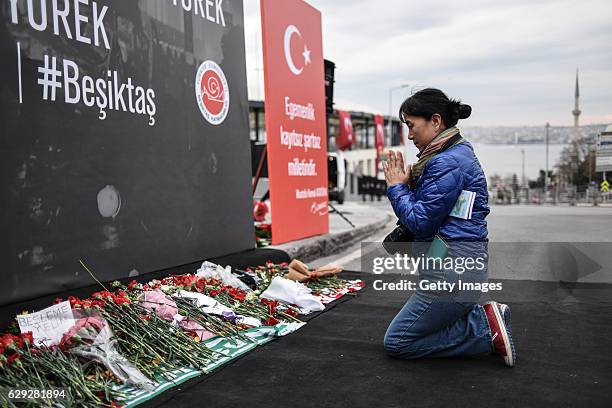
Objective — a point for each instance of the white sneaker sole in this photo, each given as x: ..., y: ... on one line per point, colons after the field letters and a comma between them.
x: 509, y: 357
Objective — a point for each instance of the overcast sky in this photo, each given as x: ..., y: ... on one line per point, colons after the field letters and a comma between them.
x: 513, y: 61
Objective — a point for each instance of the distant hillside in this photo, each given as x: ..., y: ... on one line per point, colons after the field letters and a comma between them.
x: 526, y: 134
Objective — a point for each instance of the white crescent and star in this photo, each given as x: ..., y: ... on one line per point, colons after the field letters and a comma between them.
x: 291, y: 29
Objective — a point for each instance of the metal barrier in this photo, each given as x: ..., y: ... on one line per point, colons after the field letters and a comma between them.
x: 371, y: 186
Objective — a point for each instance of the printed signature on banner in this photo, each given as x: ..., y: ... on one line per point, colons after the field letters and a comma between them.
x: 320, y: 208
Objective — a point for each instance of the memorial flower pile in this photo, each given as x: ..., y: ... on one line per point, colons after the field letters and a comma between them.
x: 139, y: 334
x: 165, y: 308
x: 239, y: 301
x: 91, y: 339
x: 151, y: 343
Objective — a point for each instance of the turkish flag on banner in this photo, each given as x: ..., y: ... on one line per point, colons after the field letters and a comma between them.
x: 295, y: 119
x: 346, y: 136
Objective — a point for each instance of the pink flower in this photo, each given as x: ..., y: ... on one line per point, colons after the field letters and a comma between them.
x: 195, y: 329
x: 159, y: 303
x: 84, y: 330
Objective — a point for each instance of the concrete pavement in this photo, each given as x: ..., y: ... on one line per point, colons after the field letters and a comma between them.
x: 532, y: 223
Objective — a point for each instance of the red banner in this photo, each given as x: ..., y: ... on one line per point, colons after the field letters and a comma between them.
x: 379, y: 140
x: 295, y: 119
x: 346, y: 136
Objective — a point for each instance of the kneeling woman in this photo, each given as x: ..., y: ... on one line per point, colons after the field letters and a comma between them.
x: 441, y: 322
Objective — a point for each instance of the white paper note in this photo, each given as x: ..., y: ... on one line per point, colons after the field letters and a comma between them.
x: 47, y: 325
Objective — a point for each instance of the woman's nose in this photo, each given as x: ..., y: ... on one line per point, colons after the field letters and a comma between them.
x: 410, y: 135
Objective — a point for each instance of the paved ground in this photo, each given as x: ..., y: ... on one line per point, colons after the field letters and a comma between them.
x: 533, y: 223
x: 516, y: 223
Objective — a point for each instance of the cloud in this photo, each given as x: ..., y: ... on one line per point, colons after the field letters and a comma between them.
x: 513, y: 62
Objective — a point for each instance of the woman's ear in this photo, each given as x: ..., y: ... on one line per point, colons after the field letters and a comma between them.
x: 436, y: 121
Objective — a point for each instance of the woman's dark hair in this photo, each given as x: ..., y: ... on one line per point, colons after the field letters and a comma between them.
x: 425, y: 103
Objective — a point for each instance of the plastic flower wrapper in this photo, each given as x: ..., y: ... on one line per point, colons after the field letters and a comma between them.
x: 91, y: 338
x: 211, y: 306
x: 210, y: 270
x: 166, y: 308
x: 291, y: 292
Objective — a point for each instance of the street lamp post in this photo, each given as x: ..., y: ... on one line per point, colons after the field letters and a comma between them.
x: 391, y: 114
x: 591, y: 155
x: 391, y: 95
x: 546, y: 174
x: 391, y: 102
x: 523, y: 168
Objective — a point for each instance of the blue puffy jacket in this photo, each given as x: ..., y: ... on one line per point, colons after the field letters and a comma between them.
x: 425, y: 210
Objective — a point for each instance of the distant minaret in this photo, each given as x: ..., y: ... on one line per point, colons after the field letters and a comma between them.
x: 576, y: 112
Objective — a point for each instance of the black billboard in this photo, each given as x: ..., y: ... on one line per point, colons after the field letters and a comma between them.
x: 124, y: 139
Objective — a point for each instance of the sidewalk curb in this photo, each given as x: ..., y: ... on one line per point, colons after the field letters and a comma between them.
x: 309, y: 249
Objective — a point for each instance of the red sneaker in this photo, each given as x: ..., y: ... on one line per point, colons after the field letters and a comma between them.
x: 504, y: 310
x: 498, y: 316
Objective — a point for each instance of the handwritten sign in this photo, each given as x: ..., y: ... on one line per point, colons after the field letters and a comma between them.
x: 47, y: 325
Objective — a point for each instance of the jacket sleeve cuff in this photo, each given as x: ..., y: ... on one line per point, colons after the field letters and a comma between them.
x: 397, y: 190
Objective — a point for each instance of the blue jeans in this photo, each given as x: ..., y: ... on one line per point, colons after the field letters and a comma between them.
x: 441, y: 323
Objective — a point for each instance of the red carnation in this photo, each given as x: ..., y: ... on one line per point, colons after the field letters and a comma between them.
x: 74, y: 302
x: 132, y: 285
x: 28, y: 338
x: 270, y: 321
x: 13, y: 357
x: 200, y: 284
x: 7, y: 342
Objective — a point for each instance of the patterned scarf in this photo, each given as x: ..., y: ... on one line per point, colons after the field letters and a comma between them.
x: 432, y: 149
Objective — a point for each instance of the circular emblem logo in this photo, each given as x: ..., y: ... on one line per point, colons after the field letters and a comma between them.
x: 212, y: 92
